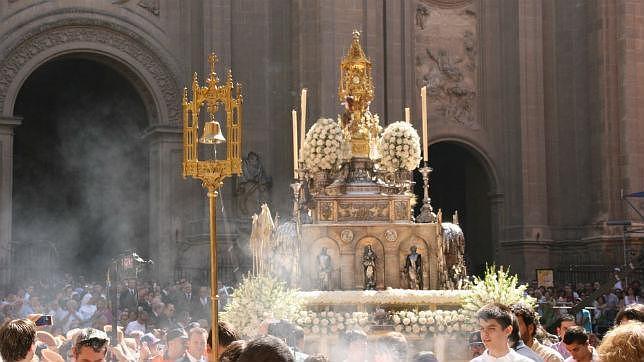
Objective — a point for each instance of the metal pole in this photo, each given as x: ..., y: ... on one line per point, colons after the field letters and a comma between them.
x: 214, y: 297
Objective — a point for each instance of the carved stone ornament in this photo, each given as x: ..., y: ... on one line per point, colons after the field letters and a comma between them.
x: 152, y: 6
x: 391, y: 235
x: 94, y: 31
x: 447, y: 4
x: 447, y: 63
x: 346, y: 235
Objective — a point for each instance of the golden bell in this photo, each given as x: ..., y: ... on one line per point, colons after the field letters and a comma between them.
x: 212, y: 133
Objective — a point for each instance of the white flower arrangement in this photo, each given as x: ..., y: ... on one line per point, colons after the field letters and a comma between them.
x: 323, y: 145
x: 399, y: 147
x: 423, y: 322
x: 257, y: 299
x: 497, y: 286
x: 331, y: 322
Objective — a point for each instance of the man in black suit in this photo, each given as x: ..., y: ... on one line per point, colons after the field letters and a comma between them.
x: 201, y: 305
x: 129, y: 297
x: 185, y: 300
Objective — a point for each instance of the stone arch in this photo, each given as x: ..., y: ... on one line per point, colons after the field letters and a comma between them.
x: 379, y: 249
x: 465, y: 180
x: 333, y: 249
x: 479, y: 152
x: 425, y: 252
x: 147, y: 66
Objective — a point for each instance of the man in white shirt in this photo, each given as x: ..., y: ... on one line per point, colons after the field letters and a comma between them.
x: 576, y: 342
x: 140, y: 324
x: 495, y: 323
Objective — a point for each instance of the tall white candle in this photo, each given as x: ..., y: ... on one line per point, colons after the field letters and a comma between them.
x: 407, y: 115
x: 423, y: 107
x: 303, y: 116
x: 294, y: 115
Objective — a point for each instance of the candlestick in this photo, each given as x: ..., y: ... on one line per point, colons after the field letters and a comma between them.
x: 423, y: 107
x: 294, y: 116
x: 303, y: 116
x: 407, y: 115
x: 426, y: 211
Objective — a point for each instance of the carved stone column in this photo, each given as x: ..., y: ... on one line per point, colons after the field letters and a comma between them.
x: 7, y: 124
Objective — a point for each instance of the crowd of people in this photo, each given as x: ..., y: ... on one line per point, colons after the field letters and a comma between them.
x: 598, y: 316
x: 170, y: 323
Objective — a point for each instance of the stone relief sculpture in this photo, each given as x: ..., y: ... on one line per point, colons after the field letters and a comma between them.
x: 253, y: 185
x: 413, y: 269
x: 152, y: 6
x: 448, y: 83
x: 369, y: 267
x: 448, y: 67
x: 422, y: 13
x: 324, y: 266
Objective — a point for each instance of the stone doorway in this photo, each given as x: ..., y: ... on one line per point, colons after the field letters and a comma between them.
x: 460, y: 182
x: 81, y: 175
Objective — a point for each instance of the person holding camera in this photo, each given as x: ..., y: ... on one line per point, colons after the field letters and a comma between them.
x: 18, y: 340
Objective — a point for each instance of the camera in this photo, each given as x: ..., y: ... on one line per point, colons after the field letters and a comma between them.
x: 44, y: 320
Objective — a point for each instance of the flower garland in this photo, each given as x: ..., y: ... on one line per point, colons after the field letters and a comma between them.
x: 430, y: 322
x: 399, y: 147
x: 331, y: 322
x: 322, y: 146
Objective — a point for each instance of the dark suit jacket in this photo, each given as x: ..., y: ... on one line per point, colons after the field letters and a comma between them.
x: 199, y: 310
x: 184, y: 304
x: 127, y: 300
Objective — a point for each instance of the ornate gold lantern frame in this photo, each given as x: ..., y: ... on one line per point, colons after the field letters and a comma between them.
x: 212, y: 171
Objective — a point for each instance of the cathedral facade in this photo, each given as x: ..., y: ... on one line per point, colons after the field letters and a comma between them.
x: 535, y: 122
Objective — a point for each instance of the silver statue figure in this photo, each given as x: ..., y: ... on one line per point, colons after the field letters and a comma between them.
x: 369, y: 265
x: 324, y: 270
x: 414, y: 269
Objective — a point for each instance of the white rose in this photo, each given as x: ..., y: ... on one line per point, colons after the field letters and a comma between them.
x: 324, y: 322
x: 415, y: 329
x: 422, y: 320
x: 316, y: 321
x: 408, y: 329
x: 396, y: 319
x: 330, y: 314
x: 406, y: 321
x: 398, y: 328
